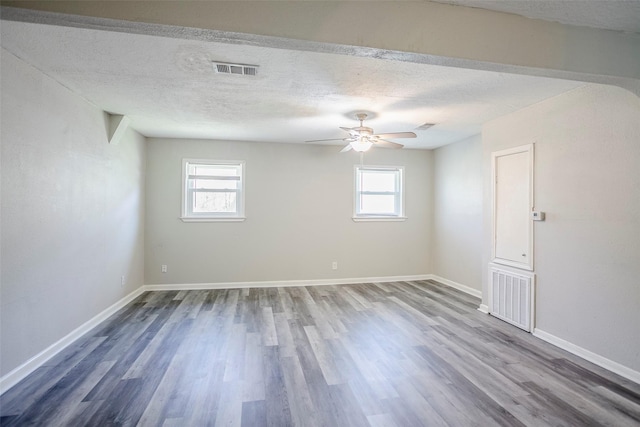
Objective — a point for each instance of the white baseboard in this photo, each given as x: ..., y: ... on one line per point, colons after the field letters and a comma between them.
x: 284, y: 283
x: 315, y: 282
x: 464, y: 288
x: 16, y: 375
x: 594, y: 358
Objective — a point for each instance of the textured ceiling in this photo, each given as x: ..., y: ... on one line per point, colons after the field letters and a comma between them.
x: 168, y: 87
x: 619, y: 15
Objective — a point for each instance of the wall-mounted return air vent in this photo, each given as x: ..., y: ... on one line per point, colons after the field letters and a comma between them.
x: 240, y: 69
x: 512, y: 296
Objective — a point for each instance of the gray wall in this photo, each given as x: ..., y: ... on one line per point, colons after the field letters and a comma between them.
x: 587, y: 180
x: 457, y: 212
x: 72, y: 213
x: 299, y: 204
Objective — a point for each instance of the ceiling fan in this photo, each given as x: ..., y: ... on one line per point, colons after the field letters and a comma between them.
x: 361, y: 138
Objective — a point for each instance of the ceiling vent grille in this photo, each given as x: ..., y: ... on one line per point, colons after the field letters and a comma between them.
x: 425, y: 126
x: 239, y: 69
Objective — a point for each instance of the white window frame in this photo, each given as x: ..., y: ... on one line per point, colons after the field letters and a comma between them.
x: 398, y: 215
x: 189, y: 216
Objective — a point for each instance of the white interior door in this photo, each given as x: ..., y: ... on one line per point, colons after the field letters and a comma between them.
x: 512, y: 206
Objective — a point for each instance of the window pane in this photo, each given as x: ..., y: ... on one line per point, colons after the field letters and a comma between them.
x: 377, y: 204
x: 214, y: 184
x: 378, y: 181
x: 213, y: 190
x: 213, y: 170
x: 214, y: 202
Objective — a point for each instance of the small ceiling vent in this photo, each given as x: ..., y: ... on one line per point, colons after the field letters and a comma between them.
x: 240, y: 69
x: 425, y: 126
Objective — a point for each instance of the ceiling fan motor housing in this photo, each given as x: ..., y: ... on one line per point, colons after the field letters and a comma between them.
x: 363, y: 131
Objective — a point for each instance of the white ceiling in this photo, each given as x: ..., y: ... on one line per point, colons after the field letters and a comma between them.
x: 619, y: 15
x: 168, y: 87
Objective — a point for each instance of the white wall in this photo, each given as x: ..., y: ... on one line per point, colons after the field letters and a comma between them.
x: 457, y: 212
x: 299, y: 205
x: 587, y: 180
x: 72, y: 213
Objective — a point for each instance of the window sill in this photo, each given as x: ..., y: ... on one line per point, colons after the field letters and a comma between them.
x: 378, y: 218
x: 212, y: 219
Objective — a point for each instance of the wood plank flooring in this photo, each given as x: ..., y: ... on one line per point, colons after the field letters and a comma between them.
x: 374, y: 354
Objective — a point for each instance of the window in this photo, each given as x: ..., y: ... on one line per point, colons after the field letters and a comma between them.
x: 212, y: 190
x: 378, y: 193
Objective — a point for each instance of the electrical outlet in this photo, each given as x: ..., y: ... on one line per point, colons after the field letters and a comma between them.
x: 334, y: 265
x: 123, y: 281
x: 164, y: 268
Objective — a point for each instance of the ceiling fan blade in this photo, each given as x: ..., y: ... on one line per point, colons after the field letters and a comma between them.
x: 387, y: 144
x: 396, y: 135
x: 326, y: 140
x: 351, y: 131
x: 345, y: 149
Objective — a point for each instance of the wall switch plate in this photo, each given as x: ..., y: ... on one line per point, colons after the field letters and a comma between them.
x: 537, y: 216
x: 334, y: 265
x: 123, y: 281
x: 164, y: 268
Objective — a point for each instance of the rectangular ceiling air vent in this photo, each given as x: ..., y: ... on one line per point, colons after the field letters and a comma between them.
x: 425, y: 126
x: 240, y: 69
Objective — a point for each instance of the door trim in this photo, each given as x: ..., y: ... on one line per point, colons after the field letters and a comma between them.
x: 529, y: 149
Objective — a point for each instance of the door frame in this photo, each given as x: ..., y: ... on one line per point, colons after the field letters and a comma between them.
x: 529, y: 149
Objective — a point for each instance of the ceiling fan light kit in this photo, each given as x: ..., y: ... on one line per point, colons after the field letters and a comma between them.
x: 362, y: 138
x: 361, y: 144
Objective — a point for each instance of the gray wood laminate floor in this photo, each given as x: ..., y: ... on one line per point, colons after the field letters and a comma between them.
x: 392, y: 354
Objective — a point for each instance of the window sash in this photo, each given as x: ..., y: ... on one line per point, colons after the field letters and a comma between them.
x: 191, y: 188
x: 214, y: 177
x: 360, y: 194
x: 212, y: 190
